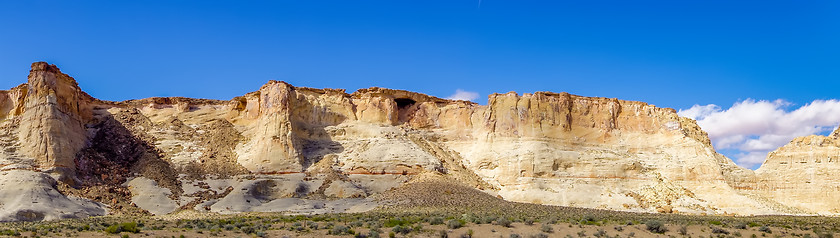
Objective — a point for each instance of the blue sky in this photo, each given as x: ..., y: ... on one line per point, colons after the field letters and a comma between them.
x: 669, y: 53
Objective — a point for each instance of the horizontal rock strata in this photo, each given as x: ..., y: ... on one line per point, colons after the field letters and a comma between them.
x: 287, y: 148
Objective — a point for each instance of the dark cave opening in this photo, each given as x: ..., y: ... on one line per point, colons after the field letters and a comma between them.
x: 404, y: 102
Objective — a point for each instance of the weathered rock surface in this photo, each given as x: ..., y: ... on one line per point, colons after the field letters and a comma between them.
x: 296, y: 149
x: 803, y: 174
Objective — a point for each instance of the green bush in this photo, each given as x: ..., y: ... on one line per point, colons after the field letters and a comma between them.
x: 656, y: 226
x: 113, y: 229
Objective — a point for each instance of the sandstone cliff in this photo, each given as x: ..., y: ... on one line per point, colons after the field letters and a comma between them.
x: 287, y: 148
x: 801, y: 174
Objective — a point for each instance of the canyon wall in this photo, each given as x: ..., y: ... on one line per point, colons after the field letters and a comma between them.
x: 284, y: 143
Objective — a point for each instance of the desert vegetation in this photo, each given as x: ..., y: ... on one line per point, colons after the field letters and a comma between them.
x: 555, y: 222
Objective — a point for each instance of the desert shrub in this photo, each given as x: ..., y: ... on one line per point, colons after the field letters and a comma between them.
x: 454, y: 224
x: 401, y: 229
x: 396, y: 222
x: 312, y: 225
x: 443, y: 234
x: 618, y: 228
x: 340, y: 230
x: 129, y: 227
x: 373, y: 234
x: 126, y: 227
x: 825, y: 235
x: 539, y: 235
x: 302, y: 189
x: 546, y: 228
x: 529, y: 221
x: 589, y: 220
x: 514, y: 235
x: 503, y: 222
x: 113, y: 229
x: 10, y: 233
x: 436, y: 221
x: 741, y: 226
x: 484, y: 220
x: 716, y: 223
x: 600, y: 233
x: 656, y: 226
x: 248, y: 229
x: 765, y: 229
x: 718, y: 230
x: 683, y: 230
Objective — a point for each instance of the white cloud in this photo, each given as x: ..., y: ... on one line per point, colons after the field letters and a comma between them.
x: 754, y: 128
x: 750, y: 159
x: 698, y: 112
x: 463, y: 95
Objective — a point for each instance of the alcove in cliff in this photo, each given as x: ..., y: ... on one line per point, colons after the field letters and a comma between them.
x: 404, y: 109
x: 403, y: 103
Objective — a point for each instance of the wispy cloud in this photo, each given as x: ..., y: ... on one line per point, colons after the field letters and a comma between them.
x: 754, y: 128
x: 463, y: 95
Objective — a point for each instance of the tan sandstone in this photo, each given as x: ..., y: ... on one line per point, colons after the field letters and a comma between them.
x: 297, y: 149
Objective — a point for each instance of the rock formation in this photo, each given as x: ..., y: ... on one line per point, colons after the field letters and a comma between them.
x: 801, y: 174
x: 287, y: 148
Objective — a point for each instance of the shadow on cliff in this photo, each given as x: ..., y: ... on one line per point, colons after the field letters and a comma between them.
x: 312, y: 138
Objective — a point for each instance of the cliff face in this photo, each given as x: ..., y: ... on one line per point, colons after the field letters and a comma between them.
x: 283, y: 142
x: 802, y: 174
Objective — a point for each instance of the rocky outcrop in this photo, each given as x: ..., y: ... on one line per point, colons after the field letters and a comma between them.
x: 287, y: 148
x: 802, y: 174
x: 54, y: 112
